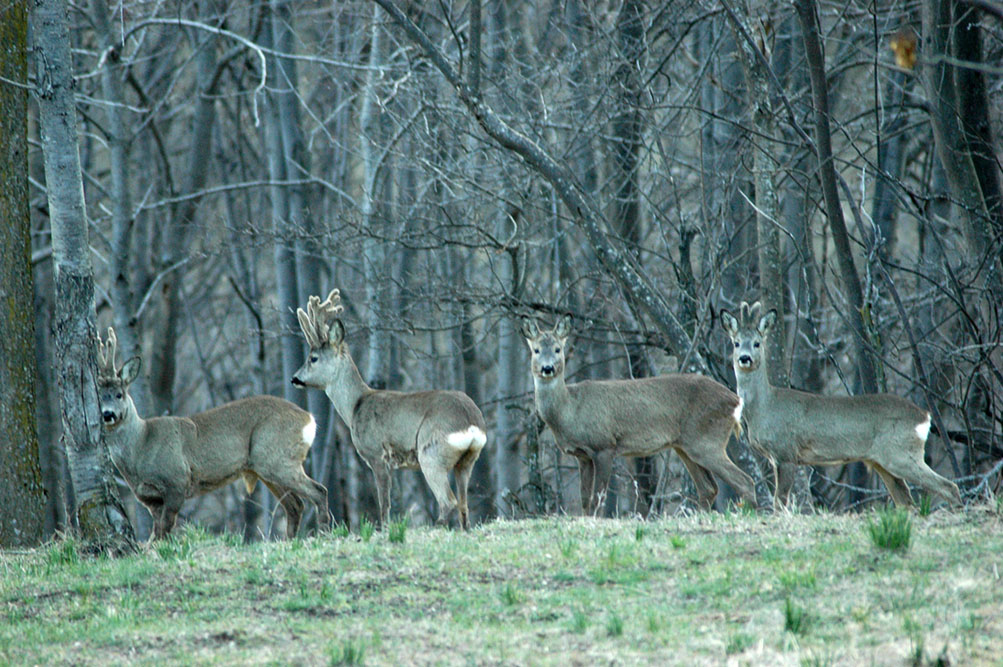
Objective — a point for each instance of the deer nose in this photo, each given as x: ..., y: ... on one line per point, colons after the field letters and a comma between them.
x: 745, y: 360
x: 297, y: 382
x: 108, y: 416
x: 546, y: 370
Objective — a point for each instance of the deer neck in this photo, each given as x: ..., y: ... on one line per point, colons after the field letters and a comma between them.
x: 755, y: 390
x: 345, y: 389
x: 552, y: 398
x: 127, y: 438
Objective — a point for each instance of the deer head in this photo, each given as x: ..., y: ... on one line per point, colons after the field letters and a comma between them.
x: 113, y: 383
x: 548, y: 348
x: 747, y: 333
x: 325, y: 334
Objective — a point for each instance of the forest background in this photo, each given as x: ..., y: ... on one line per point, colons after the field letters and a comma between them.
x: 452, y: 167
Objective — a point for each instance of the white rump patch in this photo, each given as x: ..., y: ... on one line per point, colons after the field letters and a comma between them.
x: 472, y: 438
x: 923, y: 429
x: 310, y: 431
x: 738, y: 410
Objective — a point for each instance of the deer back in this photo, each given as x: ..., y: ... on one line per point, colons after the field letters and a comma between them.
x: 406, y: 420
x: 260, y: 432
x: 644, y: 415
x: 797, y: 426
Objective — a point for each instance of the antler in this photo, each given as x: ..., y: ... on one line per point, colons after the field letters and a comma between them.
x: 316, y: 320
x: 106, y: 354
x: 750, y: 314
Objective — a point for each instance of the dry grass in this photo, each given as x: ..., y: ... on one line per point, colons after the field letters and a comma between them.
x: 704, y: 589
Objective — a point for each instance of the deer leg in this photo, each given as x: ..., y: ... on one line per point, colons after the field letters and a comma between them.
x: 297, y: 483
x: 702, y: 479
x: 381, y: 473
x: 920, y: 474
x: 163, y: 525
x: 586, y: 479
x: 784, y: 475
x: 713, y: 457
x: 898, y: 489
x: 290, y: 502
x: 438, y: 480
x: 156, y: 508
x: 603, y: 462
x: 462, y: 471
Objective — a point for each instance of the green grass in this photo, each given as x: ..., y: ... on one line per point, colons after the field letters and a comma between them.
x: 366, y: 530
x: 349, y: 653
x: 796, y: 617
x: 701, y: 589
x: 891, y: 530
x: 397, y: 530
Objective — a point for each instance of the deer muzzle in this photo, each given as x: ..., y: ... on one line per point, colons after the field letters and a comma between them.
x: 547, y: 371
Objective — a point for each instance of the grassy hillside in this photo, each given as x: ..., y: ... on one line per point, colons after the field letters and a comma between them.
x: 705, y: 589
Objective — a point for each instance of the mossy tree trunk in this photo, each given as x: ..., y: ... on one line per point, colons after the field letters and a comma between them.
x: 22, y: 496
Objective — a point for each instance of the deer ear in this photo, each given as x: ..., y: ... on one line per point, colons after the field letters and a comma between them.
x: 767, y: 321
x: 130, y: 370
x: 529, y: 328
x: 729, y: 323
x: 563, y: 327
x: 337, y: 333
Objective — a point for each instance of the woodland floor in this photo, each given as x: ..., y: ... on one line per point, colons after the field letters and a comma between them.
x: 735, y: 588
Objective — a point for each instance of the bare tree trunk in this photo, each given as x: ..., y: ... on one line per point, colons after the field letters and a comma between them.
x: 284, y: 232
x: 949, y: 134
x: 375, y: 251
x: 309, y: 267
x: 507, y: 462
x: 22, y: 496
x: 99, y: 512
x: 833, y: 208
x: 973, y: 108
x: 127, y: 325
x: 163, y: 361
x: 51, y: 456
x: 720, y: 149
x: 628, y: 128
x: 859, y: 311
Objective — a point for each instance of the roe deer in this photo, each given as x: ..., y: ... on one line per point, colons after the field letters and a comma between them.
x: 597, y: 420
x: 788, y: 426
x: 434, y: 431
x: 166, y: 460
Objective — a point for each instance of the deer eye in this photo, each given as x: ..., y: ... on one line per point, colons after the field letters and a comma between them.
x: 536, y: 350
x: 736, y: 345
x: 118, y: 394
x: 756, y: 345
x: 314, y: 358
x: 557, y: 350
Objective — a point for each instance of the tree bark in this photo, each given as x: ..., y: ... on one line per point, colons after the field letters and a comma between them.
x: 949, y: 134
x: 22, y: 496
x: 100, y: 515
x: 973, y: 107
x: 374, y: 250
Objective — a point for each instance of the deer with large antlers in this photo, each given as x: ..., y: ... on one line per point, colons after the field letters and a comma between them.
x: 432, y: 431
x: 597, y: 420
x: 166, y: 460
x: 886, y: 432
